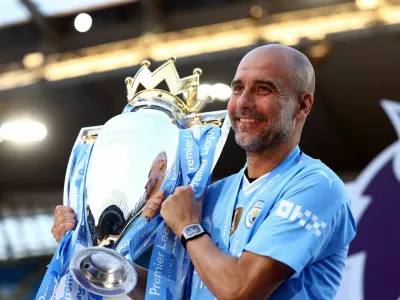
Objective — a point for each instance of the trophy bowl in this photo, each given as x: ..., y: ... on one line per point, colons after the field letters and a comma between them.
x: 130, y: 159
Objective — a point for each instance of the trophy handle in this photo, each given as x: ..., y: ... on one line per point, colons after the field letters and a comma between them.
x: 86, y: 135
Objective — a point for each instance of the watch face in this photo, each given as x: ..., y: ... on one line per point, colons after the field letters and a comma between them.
x: 192, y: 230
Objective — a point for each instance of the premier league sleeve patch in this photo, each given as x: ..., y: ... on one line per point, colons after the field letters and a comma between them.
x: 252, y: 214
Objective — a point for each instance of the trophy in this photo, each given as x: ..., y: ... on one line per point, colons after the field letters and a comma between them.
x: 132, y: 156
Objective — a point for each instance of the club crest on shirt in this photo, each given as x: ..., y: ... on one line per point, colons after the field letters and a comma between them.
x: 253, y: 213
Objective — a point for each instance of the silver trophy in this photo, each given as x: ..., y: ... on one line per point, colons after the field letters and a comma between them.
x: 132, y: 155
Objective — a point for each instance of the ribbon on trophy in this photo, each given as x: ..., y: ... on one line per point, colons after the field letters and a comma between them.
x: 73, y: 240
x: 170, y: 264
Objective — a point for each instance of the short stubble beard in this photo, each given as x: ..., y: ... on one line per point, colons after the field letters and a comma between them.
x: 270, y: 138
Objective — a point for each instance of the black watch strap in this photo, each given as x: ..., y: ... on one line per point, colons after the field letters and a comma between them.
x: 184, y: 240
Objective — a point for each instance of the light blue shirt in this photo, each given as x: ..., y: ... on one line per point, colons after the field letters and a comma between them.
x: 298, y: 214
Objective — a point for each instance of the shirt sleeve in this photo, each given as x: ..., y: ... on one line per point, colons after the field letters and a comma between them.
x: 311, y: 212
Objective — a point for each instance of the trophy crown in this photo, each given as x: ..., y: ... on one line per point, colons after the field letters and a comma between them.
x: 176, y: 85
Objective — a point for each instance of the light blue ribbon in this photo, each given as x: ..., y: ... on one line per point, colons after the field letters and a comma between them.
x: 170, y: 264
x: 128, y: 108
x: 59, y: 263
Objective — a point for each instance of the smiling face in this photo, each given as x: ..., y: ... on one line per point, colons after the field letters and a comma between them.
x: 262, y: 106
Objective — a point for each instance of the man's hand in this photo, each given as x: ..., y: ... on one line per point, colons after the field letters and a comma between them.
x: 64, y: 220
x: 181, y: 209
x: 153, y: 205
x: 65, y: 217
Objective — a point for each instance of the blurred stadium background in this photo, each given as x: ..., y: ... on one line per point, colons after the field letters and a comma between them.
x: 64, y: 70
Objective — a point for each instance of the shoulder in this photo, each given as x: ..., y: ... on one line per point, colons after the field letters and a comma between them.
x: 319, y: 190
x: 313, y: 177
x: 312, y: 169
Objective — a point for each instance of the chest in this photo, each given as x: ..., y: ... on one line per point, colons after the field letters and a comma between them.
x: 235, y: 217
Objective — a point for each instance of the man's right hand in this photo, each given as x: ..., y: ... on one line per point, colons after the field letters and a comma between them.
x: 64, y: 220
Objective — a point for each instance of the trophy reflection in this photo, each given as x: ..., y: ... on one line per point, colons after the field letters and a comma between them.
x: 132, y: 156
x: 116, y: 216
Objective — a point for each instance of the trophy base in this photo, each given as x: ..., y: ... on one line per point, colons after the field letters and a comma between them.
x: 103, y: 272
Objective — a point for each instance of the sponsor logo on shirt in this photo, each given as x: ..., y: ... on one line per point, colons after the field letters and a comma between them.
x: 253, y: 213
x: 288, y: 210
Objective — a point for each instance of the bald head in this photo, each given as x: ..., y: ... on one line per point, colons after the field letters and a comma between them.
x: 301, y: 71
x: 272, y: 95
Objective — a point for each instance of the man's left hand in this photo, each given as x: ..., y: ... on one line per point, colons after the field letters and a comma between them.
x: 181, y: 209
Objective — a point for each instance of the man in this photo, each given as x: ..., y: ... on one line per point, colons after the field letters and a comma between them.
x: 280, y: 228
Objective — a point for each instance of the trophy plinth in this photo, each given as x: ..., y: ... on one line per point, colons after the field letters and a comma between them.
x: 103, y: 272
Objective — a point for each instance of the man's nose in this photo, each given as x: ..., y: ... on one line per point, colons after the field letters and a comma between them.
x: 246, y: 100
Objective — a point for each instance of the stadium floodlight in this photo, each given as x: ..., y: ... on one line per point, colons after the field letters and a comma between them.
x: 23, y: 131
x: 221, y: 91
x: 369, y: 4
x: 83, y: 22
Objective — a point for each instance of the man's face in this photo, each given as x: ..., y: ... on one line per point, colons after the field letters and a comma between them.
x: 261, y: 107
x: 156, y: 177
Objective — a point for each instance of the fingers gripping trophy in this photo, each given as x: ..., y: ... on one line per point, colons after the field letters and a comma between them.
x: 160, y: 141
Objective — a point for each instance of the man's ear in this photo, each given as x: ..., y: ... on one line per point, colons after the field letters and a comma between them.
x: 306, y: 101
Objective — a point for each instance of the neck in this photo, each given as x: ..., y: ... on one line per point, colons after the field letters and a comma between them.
x: 260, y: 163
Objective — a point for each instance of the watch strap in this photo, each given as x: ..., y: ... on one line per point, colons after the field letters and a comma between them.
x: 185, y: 240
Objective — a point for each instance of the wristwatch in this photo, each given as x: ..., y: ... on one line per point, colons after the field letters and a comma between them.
x: 192, y: 232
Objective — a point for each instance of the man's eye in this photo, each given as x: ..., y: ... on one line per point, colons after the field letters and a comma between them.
x: 237, y: 89
x: 263, y: 89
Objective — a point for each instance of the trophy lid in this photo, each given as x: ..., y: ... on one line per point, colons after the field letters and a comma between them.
x: 176, y: 85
